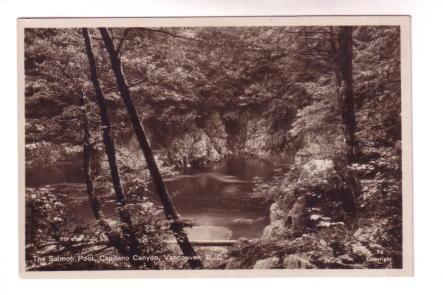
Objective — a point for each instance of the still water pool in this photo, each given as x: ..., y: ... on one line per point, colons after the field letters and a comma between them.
x: 216, y: 199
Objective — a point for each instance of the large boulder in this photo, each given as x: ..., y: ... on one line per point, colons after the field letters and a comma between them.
x: 276, y: 222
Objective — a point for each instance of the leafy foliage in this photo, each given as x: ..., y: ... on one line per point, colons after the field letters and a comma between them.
x: 207, y: 93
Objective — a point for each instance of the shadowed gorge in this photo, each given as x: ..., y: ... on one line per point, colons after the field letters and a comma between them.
x: 224, y: 147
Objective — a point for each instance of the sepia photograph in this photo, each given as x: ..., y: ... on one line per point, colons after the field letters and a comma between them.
x: 279, y: 146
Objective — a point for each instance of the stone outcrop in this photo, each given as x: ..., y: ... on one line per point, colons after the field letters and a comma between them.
x: 222, y: 135
x: 320, y: 180
x: 200, y: 146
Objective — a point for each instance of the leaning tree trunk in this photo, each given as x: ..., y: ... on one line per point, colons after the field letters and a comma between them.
x: 170, y: 212
x: 346, y: 100
x: 94, y: 202
x: 134, y: 245
x: 87, y: 151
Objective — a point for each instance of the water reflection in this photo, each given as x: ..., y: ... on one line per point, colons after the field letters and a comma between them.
x: 217, y: 197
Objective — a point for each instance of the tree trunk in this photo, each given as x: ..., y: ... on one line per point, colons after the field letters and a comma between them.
x: 87, y: 149
x: 128, y: 230
x: 113, y: 238
x: 344, y: 63
x: 176, y: 225
x: 342, y: 51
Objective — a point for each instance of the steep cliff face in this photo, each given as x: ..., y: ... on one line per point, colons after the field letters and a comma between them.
x: 199, y: 145
x: 319, y: 190
x: 221, y: 135
x: 218, y: 136
x: 313, y: 203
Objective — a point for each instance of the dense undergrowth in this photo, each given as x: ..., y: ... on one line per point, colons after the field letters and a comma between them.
x: 203, y: 103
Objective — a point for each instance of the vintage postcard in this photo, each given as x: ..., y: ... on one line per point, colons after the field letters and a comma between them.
x: 215, y: 147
